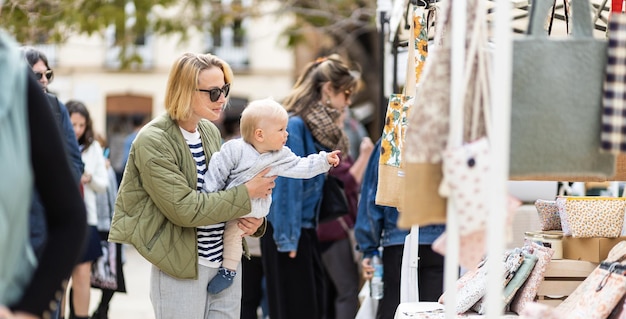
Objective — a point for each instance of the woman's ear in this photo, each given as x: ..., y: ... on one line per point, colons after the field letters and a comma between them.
x: 327, y: 90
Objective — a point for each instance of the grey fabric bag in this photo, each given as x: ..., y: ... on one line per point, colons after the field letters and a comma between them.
x: 556, y: 104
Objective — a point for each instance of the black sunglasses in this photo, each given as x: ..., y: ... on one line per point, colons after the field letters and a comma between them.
x: 214, y: 93
x: 49, y: 74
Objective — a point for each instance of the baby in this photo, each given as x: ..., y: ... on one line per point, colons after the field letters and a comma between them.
x: 264, y: 134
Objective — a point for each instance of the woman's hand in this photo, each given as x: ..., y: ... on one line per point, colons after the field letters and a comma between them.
x: 260, y: 186
x: 249, y: 225
x: 368, y: 269
x: 86, y: 178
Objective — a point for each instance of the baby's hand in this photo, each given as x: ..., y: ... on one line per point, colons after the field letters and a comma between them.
x: 333, y: 158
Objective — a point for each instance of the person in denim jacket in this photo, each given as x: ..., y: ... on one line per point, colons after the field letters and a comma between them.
x: 376, y: 226
x: 290, y: 248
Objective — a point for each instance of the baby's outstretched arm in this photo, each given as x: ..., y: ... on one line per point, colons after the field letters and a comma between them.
x: 333, y: 158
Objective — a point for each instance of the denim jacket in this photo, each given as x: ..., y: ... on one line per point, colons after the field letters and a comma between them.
x: 295, y: 201
x: 375, y: 224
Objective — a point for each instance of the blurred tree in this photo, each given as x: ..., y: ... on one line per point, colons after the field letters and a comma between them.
x: 320, y: 27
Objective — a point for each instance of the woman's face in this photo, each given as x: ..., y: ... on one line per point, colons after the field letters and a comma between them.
x: 41, y: 68
x: 201, y: 104
x: 339, y: 99
x: 79, y: 123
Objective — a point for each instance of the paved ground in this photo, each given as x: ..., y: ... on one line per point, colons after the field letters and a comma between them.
x: 135, y: 304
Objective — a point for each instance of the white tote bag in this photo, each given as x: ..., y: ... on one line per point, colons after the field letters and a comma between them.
x: 409, y: 291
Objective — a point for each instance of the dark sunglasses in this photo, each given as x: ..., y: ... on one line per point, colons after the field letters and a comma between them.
x: 214, y: 93
x: 49, y: 74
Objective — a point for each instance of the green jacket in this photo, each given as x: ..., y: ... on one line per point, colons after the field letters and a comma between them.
x: 158, y: 207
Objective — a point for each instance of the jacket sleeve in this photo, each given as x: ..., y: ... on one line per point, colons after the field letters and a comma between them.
x: 99, y: 176
x: 294, y: 166
x: 370, y: 217
x: 160, y: 170
x: 220, y: 168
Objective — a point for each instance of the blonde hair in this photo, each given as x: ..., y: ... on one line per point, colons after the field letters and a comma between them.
x: 183, y: 81
x: 257, y: 111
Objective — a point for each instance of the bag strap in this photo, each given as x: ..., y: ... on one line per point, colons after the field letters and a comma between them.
x: 410, y: 80
x: 581, y: 24
x: 344, y: 225
x: 566, y: 13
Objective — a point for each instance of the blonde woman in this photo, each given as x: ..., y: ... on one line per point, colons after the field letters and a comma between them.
x: 161, y: 208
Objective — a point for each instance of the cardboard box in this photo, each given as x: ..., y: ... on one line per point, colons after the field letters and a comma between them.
x: 590, y: 249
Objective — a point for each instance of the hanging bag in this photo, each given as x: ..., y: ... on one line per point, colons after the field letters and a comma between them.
x: 556, y: 101
x: 390, y: 167
x: 428, y: 128
x: 614, y: 115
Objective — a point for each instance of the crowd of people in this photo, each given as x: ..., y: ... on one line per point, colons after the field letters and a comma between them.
x: 229, y: 224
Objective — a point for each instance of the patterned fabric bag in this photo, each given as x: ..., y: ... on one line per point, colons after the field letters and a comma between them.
x: 428, y: 128
x: 391, y: 168
x: 587, y: 289
x: 613, y: 137
x: 528, y: 291
x: 595, y: 216
x: 548, y: 213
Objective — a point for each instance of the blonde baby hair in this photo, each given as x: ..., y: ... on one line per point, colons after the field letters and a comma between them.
x: 257, y: 111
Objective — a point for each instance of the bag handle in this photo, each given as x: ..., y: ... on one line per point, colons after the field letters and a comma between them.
x: 581, y: 20
x: 411, y: 80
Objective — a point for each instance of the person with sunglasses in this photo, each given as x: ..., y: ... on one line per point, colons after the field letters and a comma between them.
x: 162, y: 208
x: 38, y: 62
x: 290, y: 248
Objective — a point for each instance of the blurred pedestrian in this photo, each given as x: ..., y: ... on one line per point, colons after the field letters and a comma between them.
x: 376, y: 227
x: 44, y: 74
x: 30, y: 159
x: 161, y: 208
x: 290, y: 248
x: 107, y: 273
x: 95, y: 180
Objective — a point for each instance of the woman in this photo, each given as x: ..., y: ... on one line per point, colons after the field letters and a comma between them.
x: 95, y: 180
x: 107, y: 272
x: 161, y: 209
x: 291, y: 257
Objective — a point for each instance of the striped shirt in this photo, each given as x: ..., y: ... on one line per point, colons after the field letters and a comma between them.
x: 210, y: 238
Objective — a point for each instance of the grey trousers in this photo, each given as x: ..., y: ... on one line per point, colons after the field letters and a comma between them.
x: 343, y: 276
x: 177, y: 298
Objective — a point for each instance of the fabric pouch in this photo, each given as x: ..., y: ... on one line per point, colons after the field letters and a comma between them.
x: 466, y: 171
x: 548, y: 212
x: 517, y: 273
x: 528, y: 291
x: 560, y: 205
x: 607, y: 285
x: 595, y: 216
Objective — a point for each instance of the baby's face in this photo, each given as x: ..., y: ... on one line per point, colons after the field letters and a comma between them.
x: 274, y: 133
